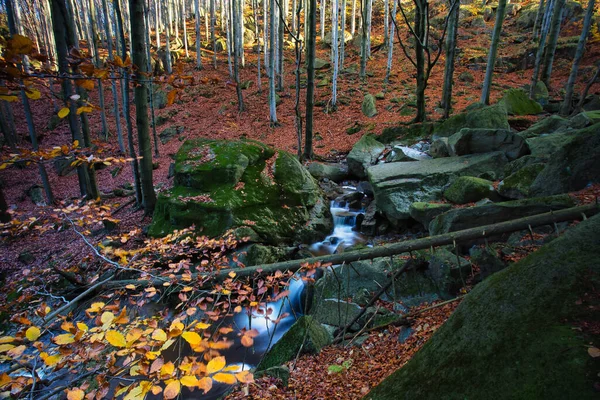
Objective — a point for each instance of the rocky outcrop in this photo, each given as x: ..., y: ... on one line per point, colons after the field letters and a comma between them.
x: 333, y: 172
x: 364, y: 154
x: 470, y: 217
x: 469, y: 189
x: 517, y: 102
x: 221, y: 185
x: 474, y: 141
x: 491, y: 117
x: 514, y: 335
x: 398, y: 185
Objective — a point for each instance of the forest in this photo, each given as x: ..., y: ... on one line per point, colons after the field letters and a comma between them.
x: 299, y: 199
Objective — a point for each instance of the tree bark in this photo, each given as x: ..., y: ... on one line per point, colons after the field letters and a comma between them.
x: 4, y: 215
x: 138, y: 33
x: 489, y: 71
x: 552, y: 42
x: 198, y: 38
x: 310, y: 80
x: 236, y: 54
x: 450, y: 57
x: 540, y: 50
x: 566, y: 105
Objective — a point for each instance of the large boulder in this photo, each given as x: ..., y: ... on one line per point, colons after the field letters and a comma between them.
x: 368, y: 107
x: 364, y: 154
x: 518, y: 184
x: 425, y: 212
x: 517, y: 102
x: 518, y: 334
x: 575, y: 164
x: 305, y: 336
x: 221, y: 185
x: 545, y: 126
x: 491, y: 117
x: 398, y: 185
x: 347, y: 37
x: 469, y: 189
x: 492, y: 213
x: 333, y: 172
x: 473, y: 141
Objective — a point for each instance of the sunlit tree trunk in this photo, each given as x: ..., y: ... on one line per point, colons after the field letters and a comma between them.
x: 185, y: 40
x: 255, y: 13
x: 353, y: 24
x: 272, y: 61
x: 213, y: 39
x: 236, y: 54
x: 364, y: 43
x: 198, y: 39
x: 136, y: 8
x: 493, y: 52
x: 230, y: 40
x: 280, y: 39
x: 552, y: 42
x: 343, y: 30
x: 310, y: 81
x: 323, y: 17
x: 157, y: 22
x: 587, y: 22
x: 391, y: 42
x: 169, y: 67
x: 334, y: 50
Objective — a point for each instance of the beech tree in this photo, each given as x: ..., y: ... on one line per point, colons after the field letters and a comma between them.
x: 491, y: 63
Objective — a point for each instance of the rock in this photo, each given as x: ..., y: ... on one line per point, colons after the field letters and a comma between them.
x: 474, y: 141
x: 369, y: 224
x: 169, y: 133
x: 306, y: 336
x: 405, y: 333
x: 517, y: 102
x: 585, y: 119
x: 258, y: 254
x: 575, y: 164
x: 466, y: 76
x: 26, y: 257
x: 364, y: 154
x: 220, y: 45
x: 491, y: 117
x: 397, y: 185
x: 369, y: 108
x: 513, y: 9
x: 279, y: 372
x: 406, y: 134
x: 36, y: 194
x: 321, y: 64
x: 488, y: 13
x: 365, y: 188
x: 487, y: 260
x: 540, y: 94
x: 63, y: 166
x: 347, y: 37
x: 469, y: 189
x: 471, y: 217
x: 518, y: 185
x: 221, y: 185
x: 527, y: 18
x: 352, y: 200
x: 333, y: 172
x: 439, y: 148
x: 336, y: 312
x: 545, y: 145
x: 513, y: 332
x: 426, y: 212
x: 249, y: 37
x: 478, y: 22
x: 548, y: 125
x: 53, y: 122
x: 379, y: 96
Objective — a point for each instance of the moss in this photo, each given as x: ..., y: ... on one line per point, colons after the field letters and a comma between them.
x: 406, y: 134
x: 491, y: 117
x: 306, y: 334
x: 467, y: 189
x: 517, y: 102
x: 510, y: 338
x: 517, y: 185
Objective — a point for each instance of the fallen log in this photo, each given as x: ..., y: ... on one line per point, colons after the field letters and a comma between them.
x: 487, y: 231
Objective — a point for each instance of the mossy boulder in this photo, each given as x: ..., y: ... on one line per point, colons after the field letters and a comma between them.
x: 306, y: 335
x: 364, y: 154
x: 515, y: 335
x: 585, y: 119
x: 517, y: 102
x: 406, y: 134
x: 545, y: 126
x: 368, y: 107
x: 469, y: 189
x: 518, y: 185
x: 425, y: 212
x: 221, y: 185
x: 471, y: 217
x: 333, y: 172
x: 491, y: 117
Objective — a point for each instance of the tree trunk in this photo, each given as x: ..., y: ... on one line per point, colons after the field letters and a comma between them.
x: 540, y: 50
x: 343, y: 30
x: 353, y: 25
x: 552, y: 42
x: 213, y: 38
x: 272, y: 61
x: 198, y: 38
x: 489, y: 70
x: 566, y: 105
x: 136, y: 8
x: 390, y: 45
x: 4, y: 214
x: 255, y: 13
x: 280, y: 41
x: 450, y: 57
x: 538, y: 19
x: 364, y: 38
x: 169, y: 67
x: 236, y: 53
x: 420, y: 42
x: 323, y: 17
x: 334, y: 50
x: 310, y: 80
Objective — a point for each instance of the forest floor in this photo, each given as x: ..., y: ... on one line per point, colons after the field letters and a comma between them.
x: 210, y: 110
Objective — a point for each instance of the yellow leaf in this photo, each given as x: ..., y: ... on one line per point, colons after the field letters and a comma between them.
x: 75, y: 394
x: 116, y: 338
x: 205, y: 384
x: 231, y: 274
x: 159, y: 335
x: 139, y: 392
x: 132, y: 336
x: 216, y: 364
x: 106, y: 319
x: 87, y: 84
x: 594, y: 352
x: 32, y: 333
x: 4, y: 165
x: 65, y: 338
x: 135, y: 370
x: 82, y: 327
x: 63, y: 113
x: 33, y: 94
x: 167, y: 369
x: 75, y: 145
x: 50, y: 360
x: 192, y: 338
x: 202, y: 325
x: 9, y: 98
x: 189, y: 381
x: 225, y: 378
x: 6, y: 347
x: 167, y: 344
x: 86, y: 109
x: 130, y: 287
x: 20, y: 44
x: 6, y: 339
x: 122, y: 390
x: 172, y: 390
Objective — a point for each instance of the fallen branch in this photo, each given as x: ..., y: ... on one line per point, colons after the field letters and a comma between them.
x: 487, y: 231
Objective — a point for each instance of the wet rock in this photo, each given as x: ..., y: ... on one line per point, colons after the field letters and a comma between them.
x: 351, y: 200
x: 333, y: 172
x: 364, y: 154
x: 36, y: 194
x: 169, y: 133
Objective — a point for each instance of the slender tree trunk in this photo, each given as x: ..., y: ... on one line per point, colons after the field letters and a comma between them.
x: 230, y: 40
x: 255, y: 13
x: 298, y: 48
x: 150, y: 88
x: 136, y: 8
x: 95, y: 46
x: 364, y: 39
x: 343, y: 30
x: 540, y: 50
x: 584, y: 94
x: 420, y: 43
x: 168, y: 41
x: 386, y: 21
x: 236, y: 58
x: 489, y: 71
x: 323, y: 17
x: 450, y: 57
x: 198, y: 38
x: 280, y: 40
x: 4, y: 214
x: 566, y: 105
x: 353, y: 25
x: 334, y: 50
x: 185, y: 40
x: 552, y: 42
x: 391, y: 42
x: 213, y: 38
x: 272, y: 61
x: 310, y: 81
x: 538, y: 19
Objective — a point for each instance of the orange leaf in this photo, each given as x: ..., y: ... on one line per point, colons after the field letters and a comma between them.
x: 245, y: 377
x: 172, y: 390
x: 86, y: 84
x: 247, y: 341
x: 205, y: 384
x: 171, y: 96
x: 216, y: 364
x: 75, y: 394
